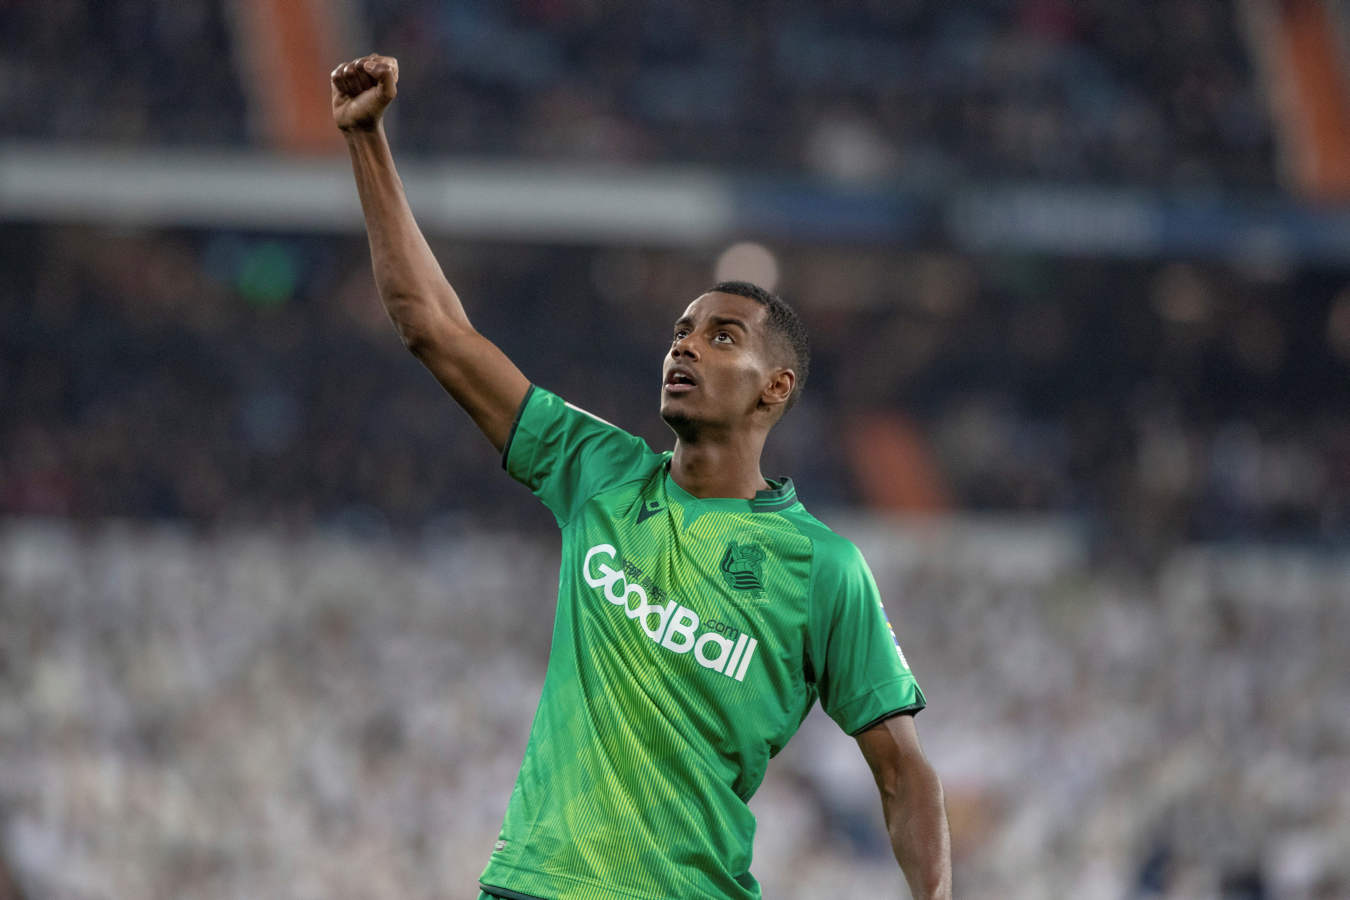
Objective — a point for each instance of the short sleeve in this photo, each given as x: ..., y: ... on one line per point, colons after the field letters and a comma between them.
x: 860, y: 671
x: 566, y: 456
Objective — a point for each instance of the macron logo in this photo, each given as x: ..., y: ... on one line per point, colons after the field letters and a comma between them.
x: 673, y: 626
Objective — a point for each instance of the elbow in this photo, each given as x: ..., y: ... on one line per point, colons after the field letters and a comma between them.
x: 417, y: 339
x: 423, y: 332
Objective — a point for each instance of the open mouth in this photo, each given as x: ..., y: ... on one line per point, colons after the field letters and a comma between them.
x: 679, y: 381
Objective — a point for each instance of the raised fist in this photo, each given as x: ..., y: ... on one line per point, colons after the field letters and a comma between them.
x: 362, y: 89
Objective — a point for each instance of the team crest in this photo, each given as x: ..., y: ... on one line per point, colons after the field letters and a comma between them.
x: 743, y: 567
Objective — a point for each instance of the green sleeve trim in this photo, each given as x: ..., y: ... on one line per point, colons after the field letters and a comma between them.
x: 910, y: 710
x: 880, y: 701
x: 515, y: 423
x: 493, y: 891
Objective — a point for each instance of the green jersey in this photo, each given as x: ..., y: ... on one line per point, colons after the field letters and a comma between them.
x: 691, y: 638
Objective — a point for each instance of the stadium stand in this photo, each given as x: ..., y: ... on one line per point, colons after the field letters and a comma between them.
x: 270, y: 625
x: 213, y: 377
x: 270, y: 714
x: 147, y: 73
x: 1155, y: 93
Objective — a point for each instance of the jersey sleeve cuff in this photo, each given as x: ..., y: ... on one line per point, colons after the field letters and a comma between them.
x: 515, y: 423
x: 910, y: 710
x: 899, y: 695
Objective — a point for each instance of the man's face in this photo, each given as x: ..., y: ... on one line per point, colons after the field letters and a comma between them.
x: 719, y: 363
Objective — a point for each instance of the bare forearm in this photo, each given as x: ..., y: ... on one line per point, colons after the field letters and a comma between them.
x: 916, y: 819
x: 424, y: 307
x: 410, y: 281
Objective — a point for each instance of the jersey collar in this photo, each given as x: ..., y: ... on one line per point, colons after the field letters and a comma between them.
x: 780, y: 494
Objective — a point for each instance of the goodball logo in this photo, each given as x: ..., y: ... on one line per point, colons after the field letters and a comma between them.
x: 673, y: 626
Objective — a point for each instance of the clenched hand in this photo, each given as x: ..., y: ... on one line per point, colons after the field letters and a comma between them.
x: 362, y: 89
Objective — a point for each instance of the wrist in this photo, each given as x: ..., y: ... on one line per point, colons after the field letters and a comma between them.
x: 362, y: 132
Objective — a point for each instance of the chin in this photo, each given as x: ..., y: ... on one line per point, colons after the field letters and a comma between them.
x: 687, y: 422
x: 679, y: 420
x: 672, y: 415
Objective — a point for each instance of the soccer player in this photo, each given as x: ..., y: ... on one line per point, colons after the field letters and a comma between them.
x: 701, y: 609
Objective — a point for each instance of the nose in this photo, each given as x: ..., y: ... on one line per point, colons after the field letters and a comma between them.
x: 684, y: 347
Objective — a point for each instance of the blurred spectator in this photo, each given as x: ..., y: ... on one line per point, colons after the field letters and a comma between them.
x: 219, y: 377
x: 1159, y: 93
x: 260, y: 714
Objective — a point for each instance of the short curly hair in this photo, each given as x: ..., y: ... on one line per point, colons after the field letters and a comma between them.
x: 785, y: 329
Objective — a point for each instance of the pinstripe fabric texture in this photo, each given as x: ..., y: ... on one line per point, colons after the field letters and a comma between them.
x: 691, y: 638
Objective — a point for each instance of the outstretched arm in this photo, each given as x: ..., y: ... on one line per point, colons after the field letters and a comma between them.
x: 911, y: 798
x: 424, y: 307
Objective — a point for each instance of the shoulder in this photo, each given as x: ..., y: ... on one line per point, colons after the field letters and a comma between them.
x: 543, y: 402
x: 566, y: 454
x: 546, y: 413
x: 831, y: 551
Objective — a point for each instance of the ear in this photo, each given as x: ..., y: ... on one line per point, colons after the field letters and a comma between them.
x: 779, y: 389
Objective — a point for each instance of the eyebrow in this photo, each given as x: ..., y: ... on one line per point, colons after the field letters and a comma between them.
x: 716, y: 320
x: 727, y: 320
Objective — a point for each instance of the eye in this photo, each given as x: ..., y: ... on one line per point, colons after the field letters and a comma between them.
x: 679, y: 333
x: 723, y: 337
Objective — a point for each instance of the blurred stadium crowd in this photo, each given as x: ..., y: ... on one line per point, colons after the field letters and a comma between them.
x: 257, y: 714
x: 272, y: 621
x: 223, y: 377
x: 1151, y: 92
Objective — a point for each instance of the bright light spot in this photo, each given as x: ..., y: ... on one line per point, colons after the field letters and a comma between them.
x: 750, y: 262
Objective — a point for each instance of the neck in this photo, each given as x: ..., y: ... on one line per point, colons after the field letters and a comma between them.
x: 719, y: 468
